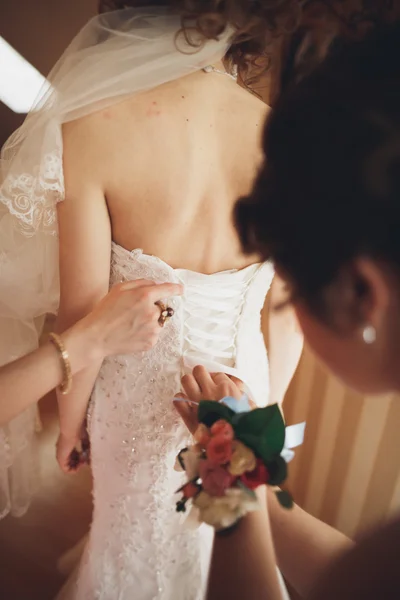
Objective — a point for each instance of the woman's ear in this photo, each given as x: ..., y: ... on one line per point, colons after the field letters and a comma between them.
x: 359, y: 296
x: 375, y: 300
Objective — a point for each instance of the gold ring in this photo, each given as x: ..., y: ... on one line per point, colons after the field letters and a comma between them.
x: 166, y: 312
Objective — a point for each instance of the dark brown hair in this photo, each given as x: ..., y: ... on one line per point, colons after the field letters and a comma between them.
x: 329, y: 190
x: 257, y: 23
x: 325, y: 25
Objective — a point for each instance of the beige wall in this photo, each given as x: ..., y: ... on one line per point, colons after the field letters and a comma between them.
x: 348, y: 470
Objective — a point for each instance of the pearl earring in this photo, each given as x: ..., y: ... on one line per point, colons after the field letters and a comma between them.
x: 369, y: 334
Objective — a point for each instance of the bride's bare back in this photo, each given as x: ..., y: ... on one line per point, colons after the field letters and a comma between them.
x: 171, y: 164
x: 160, y: 171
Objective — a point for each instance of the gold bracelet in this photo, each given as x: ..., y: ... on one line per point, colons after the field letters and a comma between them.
x: 66, y: 385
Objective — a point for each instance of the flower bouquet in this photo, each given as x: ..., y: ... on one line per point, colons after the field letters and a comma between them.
x: 236, y: 450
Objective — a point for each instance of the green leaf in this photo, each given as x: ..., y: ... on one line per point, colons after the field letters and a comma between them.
x: 262, y: 430
x: 236, y: 418
x: 284, y: 499
x: 277, y: 470
x: 209, y: 412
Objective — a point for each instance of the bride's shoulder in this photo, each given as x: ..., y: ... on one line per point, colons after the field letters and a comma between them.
x: 85, y: 141
x: 91, y: 133
x: 79, y: 131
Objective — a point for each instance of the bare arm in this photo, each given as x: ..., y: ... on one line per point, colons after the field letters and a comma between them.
x: 369, y: 571
x: 85, y: 248
x: 24, y: 381
x: 126, y: 320
x: 243, y: 563
x: 305, y: 546
x: 285, y: 342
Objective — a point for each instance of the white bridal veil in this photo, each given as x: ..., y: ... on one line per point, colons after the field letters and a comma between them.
x: 116, y: 54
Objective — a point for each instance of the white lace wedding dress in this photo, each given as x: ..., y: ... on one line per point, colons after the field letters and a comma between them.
x: 138, y: 548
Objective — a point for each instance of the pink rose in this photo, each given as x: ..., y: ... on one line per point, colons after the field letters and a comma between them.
x: 202, y: 435
x: 219, y: 450
x: 223, y: 428
x: 215, y: 479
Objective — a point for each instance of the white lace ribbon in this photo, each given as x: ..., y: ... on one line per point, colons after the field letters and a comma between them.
x: 294, y: 437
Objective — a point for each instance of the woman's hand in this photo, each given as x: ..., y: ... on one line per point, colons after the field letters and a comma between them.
x: 202, y: 385
x: 126, y: 320
x: 67, y: 453
x: 73, y: 452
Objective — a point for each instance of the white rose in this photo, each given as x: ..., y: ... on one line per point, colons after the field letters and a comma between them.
x: 223, y: 512
x: 191, y: 459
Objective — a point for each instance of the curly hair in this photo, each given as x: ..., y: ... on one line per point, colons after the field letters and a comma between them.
x: 257, y: 23
x: 325, y: 25
x: 329, y: 190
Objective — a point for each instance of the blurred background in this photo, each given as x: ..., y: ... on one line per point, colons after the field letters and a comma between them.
x: 39, y: 31
x: 348, y: 470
